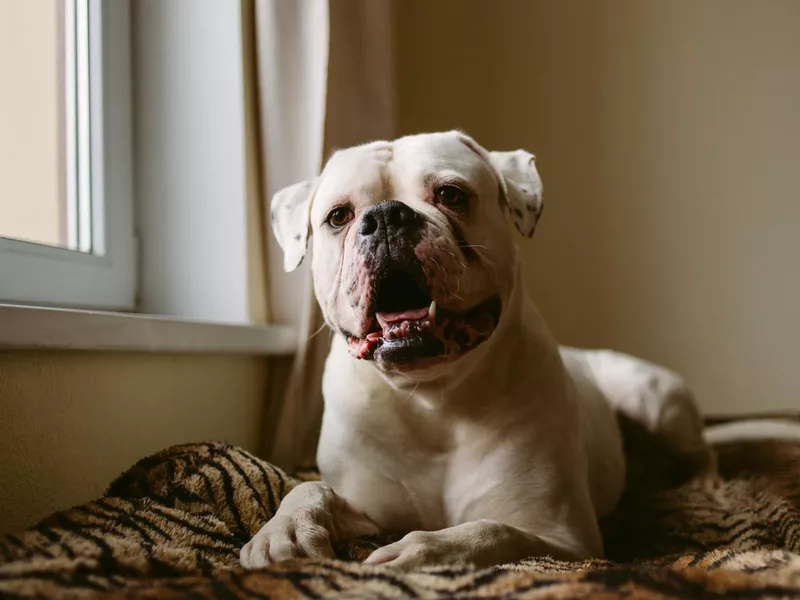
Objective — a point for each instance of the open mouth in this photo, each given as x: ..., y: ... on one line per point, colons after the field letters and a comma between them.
x: 410, y: 330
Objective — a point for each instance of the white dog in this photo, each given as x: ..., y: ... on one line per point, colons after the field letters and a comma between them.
x: 450, y: 411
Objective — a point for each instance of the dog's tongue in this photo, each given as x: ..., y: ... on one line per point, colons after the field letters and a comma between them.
x: 403, y: 323
x: 407, y: 315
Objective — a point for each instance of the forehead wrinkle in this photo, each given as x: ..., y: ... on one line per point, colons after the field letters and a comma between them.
x: 387, y: 183
x: 378, y: 189
x: 356, y: 176
x: 447, y: 159
x: 384, y: 157
x: 446, y: 176
x: 369, y: 192
x: 371, y: 175
x: 402, y: 183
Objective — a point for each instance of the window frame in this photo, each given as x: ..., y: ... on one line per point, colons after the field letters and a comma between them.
x: 37, y: 274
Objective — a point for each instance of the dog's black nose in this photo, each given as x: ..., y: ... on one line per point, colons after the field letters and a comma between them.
x: 391, y: 215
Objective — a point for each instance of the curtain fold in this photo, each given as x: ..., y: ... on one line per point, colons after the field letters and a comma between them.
x: 324, y: 80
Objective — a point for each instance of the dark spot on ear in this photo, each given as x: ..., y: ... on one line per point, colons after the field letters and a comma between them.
x: 272, y: 214
x: 297, y: 237
x: 518, y: 212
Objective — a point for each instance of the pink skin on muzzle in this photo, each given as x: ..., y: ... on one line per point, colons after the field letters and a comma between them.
x: 456, y: 331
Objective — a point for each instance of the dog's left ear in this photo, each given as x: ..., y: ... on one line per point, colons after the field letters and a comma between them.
x: 519, y: 182
x: 289, y: 214
x: 523, y: 187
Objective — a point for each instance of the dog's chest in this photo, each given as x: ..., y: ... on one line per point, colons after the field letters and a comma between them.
x: 402, y: 494
x: 405, y: 473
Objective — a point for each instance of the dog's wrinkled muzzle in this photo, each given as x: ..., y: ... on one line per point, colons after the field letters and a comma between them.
x: 405, y: 329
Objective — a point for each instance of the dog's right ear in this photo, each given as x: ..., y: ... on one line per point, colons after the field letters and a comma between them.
x: 289, y: 214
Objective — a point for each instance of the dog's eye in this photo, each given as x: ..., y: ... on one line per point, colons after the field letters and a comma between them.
x: 339, y: 217
x: 451, y: 196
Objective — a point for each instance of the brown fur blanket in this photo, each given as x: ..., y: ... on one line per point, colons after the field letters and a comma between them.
x: 173, y: 524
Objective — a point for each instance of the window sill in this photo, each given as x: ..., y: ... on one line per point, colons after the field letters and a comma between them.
x: 34, y: 328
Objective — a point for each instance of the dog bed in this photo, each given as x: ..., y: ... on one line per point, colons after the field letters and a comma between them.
x: 173, y: 524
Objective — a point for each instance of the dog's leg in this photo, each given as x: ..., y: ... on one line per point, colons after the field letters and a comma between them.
x: 309, y: 519
x: 656, y: 399
x: 480, y: 543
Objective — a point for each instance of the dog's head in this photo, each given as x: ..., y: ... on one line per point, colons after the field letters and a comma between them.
x: 413, y: 252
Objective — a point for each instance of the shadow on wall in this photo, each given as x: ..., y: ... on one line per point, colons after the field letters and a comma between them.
x: 667, y: 135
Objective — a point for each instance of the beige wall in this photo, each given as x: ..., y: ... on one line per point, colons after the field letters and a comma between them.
x: 30, y: 160
x: 71, y: 422
x: 668, y: 137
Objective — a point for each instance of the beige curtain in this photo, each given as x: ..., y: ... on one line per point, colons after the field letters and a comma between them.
x: 321, y: 78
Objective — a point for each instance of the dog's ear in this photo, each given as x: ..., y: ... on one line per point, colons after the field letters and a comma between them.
x: 289, y: 214
x: 519, y: 182
x: 523, y: 187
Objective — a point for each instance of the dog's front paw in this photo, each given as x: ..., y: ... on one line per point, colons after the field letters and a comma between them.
x: 302, y: 527
x: 306, y: 533
x: 309, y: 519
x: 418, y: 549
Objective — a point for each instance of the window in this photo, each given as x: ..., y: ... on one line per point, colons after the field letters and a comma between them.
x: 66, y: 218
x: 69, y: 99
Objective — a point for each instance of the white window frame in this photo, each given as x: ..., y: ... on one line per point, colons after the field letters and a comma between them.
x: 182, y: 188
x: 105, y: 278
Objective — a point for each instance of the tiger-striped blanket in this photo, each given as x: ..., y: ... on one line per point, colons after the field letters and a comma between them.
x: 173, y: 524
